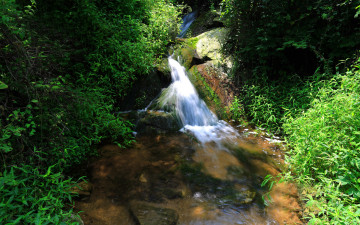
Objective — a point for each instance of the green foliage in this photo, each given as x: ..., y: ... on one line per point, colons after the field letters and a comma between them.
x: 30, y: 197
x: 267, y: 103
x: 318, y: 112
x: 325, y: 144
x: 119, y: 41
x: 66, y: 67
x: 236, y: 110
x: 290, y: 36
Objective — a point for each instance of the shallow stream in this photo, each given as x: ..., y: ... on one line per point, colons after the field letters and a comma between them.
x: 207, y: 173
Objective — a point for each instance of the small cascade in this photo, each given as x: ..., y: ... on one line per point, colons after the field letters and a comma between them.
x: 182, y: 95
x: 187, y: 21
x: 193, y: 113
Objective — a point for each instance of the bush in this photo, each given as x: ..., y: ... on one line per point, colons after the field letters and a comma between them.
x: 325, y: 150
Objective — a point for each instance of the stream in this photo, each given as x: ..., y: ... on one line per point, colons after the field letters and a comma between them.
x: 208, y: 173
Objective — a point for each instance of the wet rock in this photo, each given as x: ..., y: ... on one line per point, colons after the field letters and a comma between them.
x: 82, y: 189
x: 155, y: 122
x: 186, y: 54
x: 148, y: 214
x: 244, y: 195
x: 170, y: 193
x: 213, y: 86
x: 163, y: 68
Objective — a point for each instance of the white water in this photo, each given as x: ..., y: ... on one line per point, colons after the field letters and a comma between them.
x: 187, y: 21
x: 193, y: 113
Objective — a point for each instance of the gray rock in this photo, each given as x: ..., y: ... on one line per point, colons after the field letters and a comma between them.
x: 148, y: 214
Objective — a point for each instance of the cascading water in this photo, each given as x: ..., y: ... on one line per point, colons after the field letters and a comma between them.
x: 187, y: 21
x: 190, y: 109
x: 193, y: 113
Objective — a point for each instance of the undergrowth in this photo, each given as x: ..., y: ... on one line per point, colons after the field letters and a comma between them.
x: 325, y: 150
x: 320, y: 119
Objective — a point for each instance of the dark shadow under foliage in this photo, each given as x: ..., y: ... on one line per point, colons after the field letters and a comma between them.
x: 278, y: 37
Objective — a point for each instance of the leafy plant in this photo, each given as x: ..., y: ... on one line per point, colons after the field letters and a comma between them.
x: 29, y: 197
x: 236, y: 110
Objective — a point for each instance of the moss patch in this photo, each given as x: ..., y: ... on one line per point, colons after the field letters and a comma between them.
x: 206, y: 93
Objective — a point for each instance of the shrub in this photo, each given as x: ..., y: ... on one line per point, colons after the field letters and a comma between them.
x: 325, y: 141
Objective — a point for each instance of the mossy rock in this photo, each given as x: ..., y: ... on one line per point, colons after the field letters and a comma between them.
x: 185, y: 53
x: 163, y: 68
x: 146, y: 88
x: 244, y: 195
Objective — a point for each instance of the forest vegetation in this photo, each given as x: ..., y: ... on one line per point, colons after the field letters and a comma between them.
x: 67, y: 66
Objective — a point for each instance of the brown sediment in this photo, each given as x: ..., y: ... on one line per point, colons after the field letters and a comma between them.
x: 149, y: 172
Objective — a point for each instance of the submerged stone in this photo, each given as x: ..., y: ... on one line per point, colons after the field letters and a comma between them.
x: 244, y: 195
x: 147, y: 214
x: 73, y: 219
x: 155, y: 122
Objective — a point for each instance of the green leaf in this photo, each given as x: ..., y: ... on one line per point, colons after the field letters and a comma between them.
x: 3, y: 85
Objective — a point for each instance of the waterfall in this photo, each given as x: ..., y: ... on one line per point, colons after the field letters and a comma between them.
x: 181, y: 94
x: 187, y: 21
x: 193, y: 113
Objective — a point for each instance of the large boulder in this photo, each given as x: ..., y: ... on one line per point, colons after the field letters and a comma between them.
x: 214, y: 87
x: 209, y: 46
x: 148, y: 214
